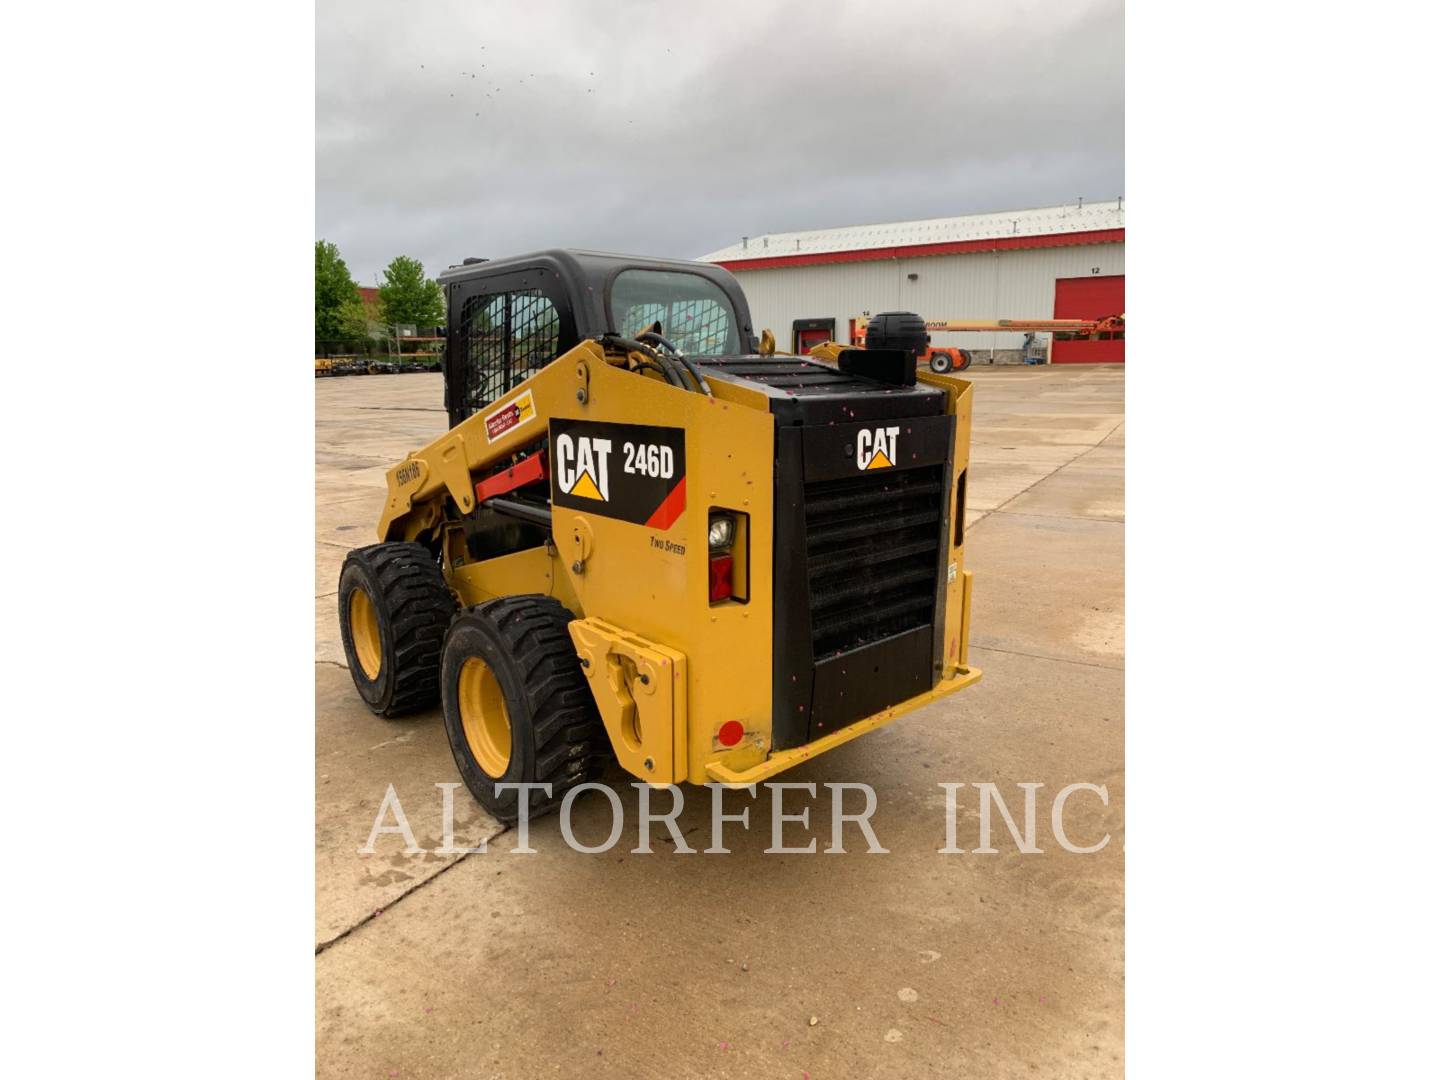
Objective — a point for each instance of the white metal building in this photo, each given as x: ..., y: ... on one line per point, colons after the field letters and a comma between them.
x: 1054, y: 262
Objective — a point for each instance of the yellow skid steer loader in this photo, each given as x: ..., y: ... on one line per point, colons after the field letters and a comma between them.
x: 648, y: 536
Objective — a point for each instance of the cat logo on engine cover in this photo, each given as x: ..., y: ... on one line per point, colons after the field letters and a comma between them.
x: 633, y: 472
x: 875, y: 447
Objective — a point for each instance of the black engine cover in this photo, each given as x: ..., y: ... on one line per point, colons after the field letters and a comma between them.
x: 862, y: 475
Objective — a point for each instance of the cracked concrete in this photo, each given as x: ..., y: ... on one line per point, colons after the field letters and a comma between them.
x: 558, y: 963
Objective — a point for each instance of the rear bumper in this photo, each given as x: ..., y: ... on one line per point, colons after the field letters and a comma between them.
x: 781, y: 760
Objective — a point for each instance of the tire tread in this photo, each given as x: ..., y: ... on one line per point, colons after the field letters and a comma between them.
x: 419, y: 606
x: 571, y: 744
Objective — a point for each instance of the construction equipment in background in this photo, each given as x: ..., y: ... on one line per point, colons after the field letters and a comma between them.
x: 369, y: 365
x: 647, y: 536
x: 425, y: 353
x: 943, y: 359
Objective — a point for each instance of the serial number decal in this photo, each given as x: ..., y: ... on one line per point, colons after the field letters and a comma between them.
x: 510, y: 416
x: 633, y: 472
x: 407, y: 473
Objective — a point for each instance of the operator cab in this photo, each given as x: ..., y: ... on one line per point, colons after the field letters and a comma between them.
x: 508, y: 318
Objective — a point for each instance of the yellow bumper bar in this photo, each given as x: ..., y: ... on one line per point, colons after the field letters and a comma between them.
x: 781, y: 760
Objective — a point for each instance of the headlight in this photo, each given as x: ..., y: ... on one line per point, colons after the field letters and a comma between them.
x: 722, y: 532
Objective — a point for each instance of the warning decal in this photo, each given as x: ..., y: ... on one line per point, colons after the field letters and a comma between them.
x: 509, y: 416
x: 633, y: 472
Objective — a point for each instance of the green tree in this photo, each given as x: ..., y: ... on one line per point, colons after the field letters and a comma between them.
x: 335, y: 293
x: 407, y: 296
x: 357, y: 320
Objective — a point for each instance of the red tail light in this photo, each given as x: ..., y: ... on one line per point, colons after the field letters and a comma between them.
x: 721, y: 583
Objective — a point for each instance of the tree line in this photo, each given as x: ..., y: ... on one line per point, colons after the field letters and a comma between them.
x: 407, y: 297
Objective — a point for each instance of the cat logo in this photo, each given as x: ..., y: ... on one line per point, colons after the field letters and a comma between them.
x: 876, y: 449
x: 628, y: 472
x: 582, y: 466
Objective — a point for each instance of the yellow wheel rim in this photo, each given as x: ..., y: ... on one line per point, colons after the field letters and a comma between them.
x: 365, y: 633
x: 484, y: 717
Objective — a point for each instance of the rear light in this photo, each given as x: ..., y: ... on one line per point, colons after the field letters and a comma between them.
x: 731, y: 732
x: 729, y: 551
x: 722, y: 532
x: 722, y: 585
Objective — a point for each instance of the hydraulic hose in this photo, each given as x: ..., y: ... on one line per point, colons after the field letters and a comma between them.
x: 667, y: 368
x: 678, y: 355
x: 654, y: 335
x: 694, y: 373
x: 651, y: 365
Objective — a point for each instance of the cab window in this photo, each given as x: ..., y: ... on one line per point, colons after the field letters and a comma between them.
x: 693, y: 312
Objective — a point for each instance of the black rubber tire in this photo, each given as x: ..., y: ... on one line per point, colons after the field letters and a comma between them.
x: 941, y: 362
x: 413, y: 607
x: 965, y: 359
x: 556, y: 734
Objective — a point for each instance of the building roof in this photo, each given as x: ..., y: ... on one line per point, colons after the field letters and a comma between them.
x: 1048, y: 226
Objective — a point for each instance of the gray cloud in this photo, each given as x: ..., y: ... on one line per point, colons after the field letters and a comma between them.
x: 477, y: 128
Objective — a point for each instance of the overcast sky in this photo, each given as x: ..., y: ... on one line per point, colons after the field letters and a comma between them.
x: 495, y: 127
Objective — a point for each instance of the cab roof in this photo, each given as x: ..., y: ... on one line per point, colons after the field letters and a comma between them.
x: 586, y: 276
x: 580, y: 263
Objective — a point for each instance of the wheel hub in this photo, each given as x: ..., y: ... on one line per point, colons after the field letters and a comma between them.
x: 365, y: 633
x: 484, y: 717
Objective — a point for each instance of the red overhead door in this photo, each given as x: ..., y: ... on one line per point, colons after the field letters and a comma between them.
x: 806, y: 340
x: 1089, y: 298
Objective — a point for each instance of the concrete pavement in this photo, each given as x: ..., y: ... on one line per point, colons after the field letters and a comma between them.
x: 913, y: 964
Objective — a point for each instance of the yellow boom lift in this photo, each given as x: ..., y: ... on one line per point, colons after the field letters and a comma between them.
x: 943, y: 359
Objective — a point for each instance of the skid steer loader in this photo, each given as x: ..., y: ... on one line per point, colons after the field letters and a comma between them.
x: 647, y: 535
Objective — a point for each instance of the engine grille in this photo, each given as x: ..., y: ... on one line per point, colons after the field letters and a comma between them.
x: 873, y: 546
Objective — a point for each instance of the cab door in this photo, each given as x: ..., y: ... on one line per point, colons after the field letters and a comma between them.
x: 501, y: 329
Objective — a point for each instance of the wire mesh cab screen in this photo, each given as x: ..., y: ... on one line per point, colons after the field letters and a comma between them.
x: 693, y: 312
x: 505, y: 337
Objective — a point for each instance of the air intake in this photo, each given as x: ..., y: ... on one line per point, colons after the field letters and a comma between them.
x: 897, y: 330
